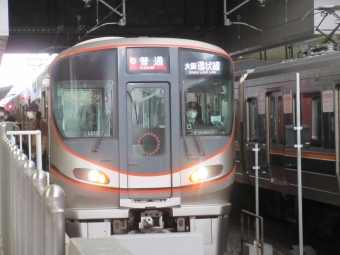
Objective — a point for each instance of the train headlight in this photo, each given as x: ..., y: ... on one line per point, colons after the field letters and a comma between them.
x: 91, y: 175
x: 199, y: 174
x: 205, y: 172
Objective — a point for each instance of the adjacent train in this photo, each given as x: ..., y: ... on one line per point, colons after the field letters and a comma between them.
x: 141, y: 136
x: 266, y: 101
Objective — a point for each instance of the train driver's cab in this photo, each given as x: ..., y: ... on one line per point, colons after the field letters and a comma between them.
x: 207, y: 107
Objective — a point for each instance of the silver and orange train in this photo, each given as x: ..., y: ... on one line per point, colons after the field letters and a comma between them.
x: 266, y: 99
x: 141, y: 136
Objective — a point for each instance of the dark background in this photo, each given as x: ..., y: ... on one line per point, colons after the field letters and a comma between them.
x: 50, y: 26
x: 37, y: 25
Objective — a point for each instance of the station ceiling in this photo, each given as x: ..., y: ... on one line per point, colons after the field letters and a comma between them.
x: 50, y: 26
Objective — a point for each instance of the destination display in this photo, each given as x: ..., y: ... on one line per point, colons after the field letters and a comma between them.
x: 203, y: 68
x: 148, y: 60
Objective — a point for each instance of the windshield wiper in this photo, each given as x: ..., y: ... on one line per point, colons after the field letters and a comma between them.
x: 107, y: 108
x: 133, y: 103
x: 197, y: 139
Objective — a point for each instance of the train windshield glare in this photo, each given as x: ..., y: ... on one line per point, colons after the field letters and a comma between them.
x: 83, y: 94
x: 148, y: 121
x: 88, y: 107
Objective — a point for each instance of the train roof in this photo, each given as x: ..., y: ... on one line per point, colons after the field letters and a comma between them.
x: 328, y: 60
x: 246, y: 64
x: 108, y: 42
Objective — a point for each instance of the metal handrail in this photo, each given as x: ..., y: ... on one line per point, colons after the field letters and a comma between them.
x: 37, y: 134
x: 243, y: 238
x: 32, y: 212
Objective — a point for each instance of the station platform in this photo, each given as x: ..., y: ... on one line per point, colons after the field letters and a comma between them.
x: 138, y: 244
x: 134, y: 244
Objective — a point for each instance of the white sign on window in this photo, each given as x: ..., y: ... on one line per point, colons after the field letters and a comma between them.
x: 287, y: 103
x: 261, y: 105
x: 327, y: 101
x: 191, y: 97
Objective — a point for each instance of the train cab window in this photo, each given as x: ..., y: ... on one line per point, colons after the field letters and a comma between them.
x: 207, y: 108
x: 89, y: 110
x: 311, y: 115
x: 252, y: 116
x: 83, y: 92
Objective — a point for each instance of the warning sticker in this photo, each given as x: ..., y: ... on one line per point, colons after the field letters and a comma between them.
x: 327, y: 101
x: 287, y: 103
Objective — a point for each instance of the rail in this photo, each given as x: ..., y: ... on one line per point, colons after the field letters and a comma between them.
x: 32, y: 212
x: 37, y: 134
x: 247, y: 237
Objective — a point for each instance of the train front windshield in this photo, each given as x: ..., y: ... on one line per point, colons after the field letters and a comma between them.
x: 85, y: 89
x: 83, y: 94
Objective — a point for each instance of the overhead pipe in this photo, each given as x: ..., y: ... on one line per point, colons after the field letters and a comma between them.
x: 227, y: 21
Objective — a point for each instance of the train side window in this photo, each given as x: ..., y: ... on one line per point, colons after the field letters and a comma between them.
x: 272, y: 120
x: 236, y: 102
x: 316, y: 118
x: 329, y: 111
x: 280, y: 120
x: 252, y: 116
x: 311, y: 115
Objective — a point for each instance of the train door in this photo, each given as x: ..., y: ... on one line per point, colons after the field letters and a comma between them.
x: 275, y: 137
x: 337, y: 130
x: 148, y: 123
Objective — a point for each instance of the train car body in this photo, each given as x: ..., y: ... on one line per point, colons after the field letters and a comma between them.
x: 141, y: 136
x: 37, y: 92
x: 266, y: 99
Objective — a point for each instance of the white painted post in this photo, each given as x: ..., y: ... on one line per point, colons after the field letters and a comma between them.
x: 298, y: 129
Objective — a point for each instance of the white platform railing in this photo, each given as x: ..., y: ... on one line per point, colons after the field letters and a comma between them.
x: 32, y: 212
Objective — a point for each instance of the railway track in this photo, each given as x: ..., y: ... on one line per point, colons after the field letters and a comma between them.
x: 280, y: 234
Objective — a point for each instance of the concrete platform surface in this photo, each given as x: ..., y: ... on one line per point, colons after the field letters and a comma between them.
x: 139, y: 244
